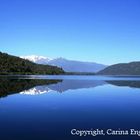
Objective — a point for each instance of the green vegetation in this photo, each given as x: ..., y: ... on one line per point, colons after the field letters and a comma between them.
x: 132, y: 68
x: 14, y: 65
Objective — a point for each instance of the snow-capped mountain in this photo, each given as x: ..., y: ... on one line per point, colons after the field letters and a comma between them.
x: 67, y: 65
x: 37, y: 59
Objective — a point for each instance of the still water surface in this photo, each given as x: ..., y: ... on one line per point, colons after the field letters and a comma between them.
x: 48, y: 107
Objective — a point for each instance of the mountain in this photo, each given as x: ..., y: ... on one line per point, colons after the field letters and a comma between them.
x: 132, y: 68
x: 67, y: 65
x: 37, y: 59
x: 76, y: 66
x: 14, y: 65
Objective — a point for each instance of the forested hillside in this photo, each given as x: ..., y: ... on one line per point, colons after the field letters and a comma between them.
x: 14, y: 65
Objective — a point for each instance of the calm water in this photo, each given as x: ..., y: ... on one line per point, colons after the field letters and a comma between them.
x: 49, y: 107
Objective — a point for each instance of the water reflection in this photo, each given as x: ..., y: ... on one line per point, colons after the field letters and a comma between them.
x: 131, y: 84
x: 36, y: 90
x: 100, y: 104
x: 75, y: 84
x: 10, y: 85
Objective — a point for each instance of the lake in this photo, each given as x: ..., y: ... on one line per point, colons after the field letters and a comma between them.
x: 50, y: 107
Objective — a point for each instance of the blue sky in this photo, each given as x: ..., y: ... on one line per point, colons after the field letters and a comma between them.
x: 104, y: 31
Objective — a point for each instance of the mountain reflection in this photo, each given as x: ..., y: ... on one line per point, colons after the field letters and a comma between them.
x: 66, y: 85
x: 36, y: 90
x: 63, y: 86
x: 75, y: 84
x: 131, y: 84
x: 12, y: 86
x: 39, y: 86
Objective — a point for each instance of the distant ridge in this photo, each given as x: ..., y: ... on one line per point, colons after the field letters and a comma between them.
x: 132, y: 68
x: 67, y: 65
